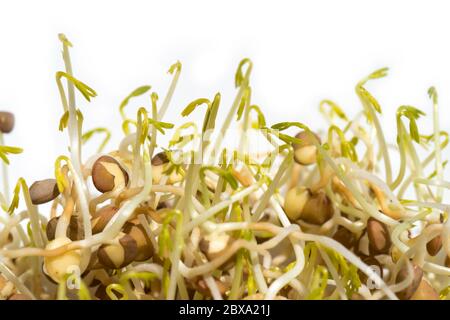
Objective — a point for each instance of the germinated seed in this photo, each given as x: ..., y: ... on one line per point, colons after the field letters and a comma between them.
x: 295, y: 201
x: 6, y: 121
x: 345, y: 237
x: 160, y: 159
x: 305, y: 153
x: 407, y: 293
x: 213, y: 245
x: 434, y: 246
x: 138, y: 233
x: 379, y: 239
x: 56, y: 266
x: 101, y: 218
x: 158, y: 162
x: 74, y: 230
x: 43, y: 191
x: 318, y: 209
x: 425, y: 292
x: 108, y: 174
x: 116, y: 256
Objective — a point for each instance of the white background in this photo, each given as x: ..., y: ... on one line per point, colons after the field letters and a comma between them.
x: 303, y: 51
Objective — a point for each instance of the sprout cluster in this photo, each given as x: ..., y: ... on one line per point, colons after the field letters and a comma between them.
x: 315, y: 217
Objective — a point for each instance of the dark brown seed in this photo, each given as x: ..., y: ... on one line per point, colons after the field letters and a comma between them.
x: 105, y: 171
x: 74, y: 231
x: 144, y: 245
x: 102, y: 217
x: 345, y: 237
x: 43, y: 191
x: 379, y: 239
x: 51, y: 228
x: 407, y: 293
x: 305, y: 153
x: 117, y: 256
x: 6, y: 122
x: 447, y: 262
x: 19, y: 296
x: 318, y: 209
x: 159, y: 159
x: 434, y: 245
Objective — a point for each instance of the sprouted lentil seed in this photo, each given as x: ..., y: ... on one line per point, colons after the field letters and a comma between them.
x: 313, y: 219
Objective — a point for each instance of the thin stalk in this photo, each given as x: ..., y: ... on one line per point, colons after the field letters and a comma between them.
x: 175, y: 257
x: 237, y: 276
x: 74, y: 129
x: 424, y: 164
x: 271, y: 189
x: 437, y: 144
x: 154, y: 131
x: 170, y: 91
x: 256, y: 266
x: 226, y: 124
x: 381, y: 139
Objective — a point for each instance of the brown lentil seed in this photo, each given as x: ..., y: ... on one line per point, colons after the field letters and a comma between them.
x: 379, y: 239
x: 345, y: 237
x: 305, y: 153
x: 102, y: 175
x: 74, y: 230
x: 43, y: 191
x: 408, y: 292
x: 318, y: 209
x: 117, y: 256
x: 138, y: 233
x: 7, y: 121
x: 159, y: 159
x: 102, y: 217
x: 434, y: 246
